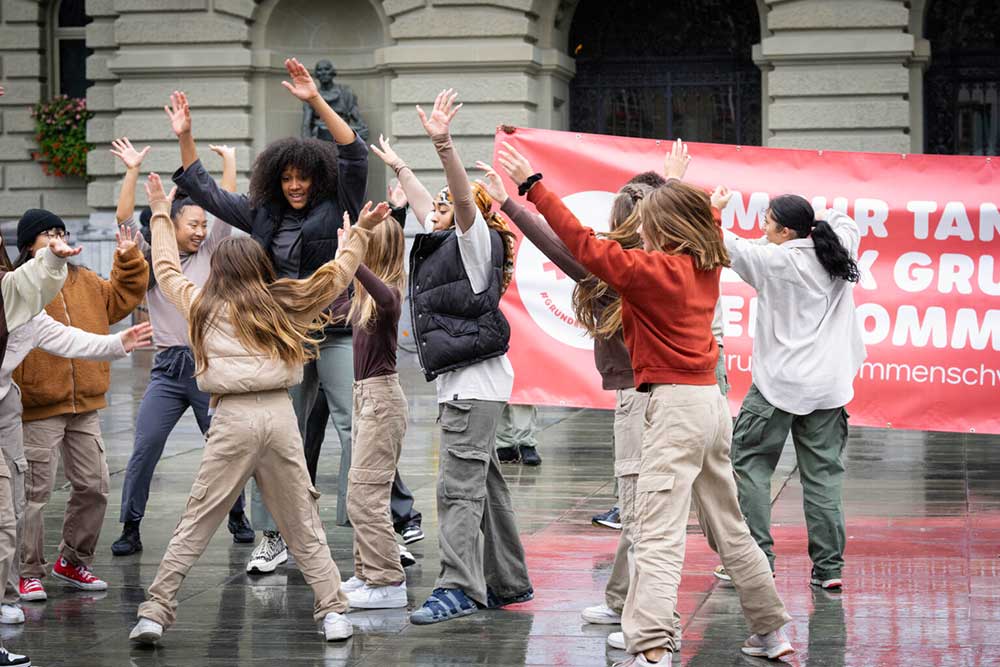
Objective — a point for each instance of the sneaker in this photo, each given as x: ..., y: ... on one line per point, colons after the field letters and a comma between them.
x: 412, y: 533
x: 610, y: 519
x: 617, y: 640
x: 31, y: 590
x: 78, y: 576
x: 640, y: 661
x: 336, y: 627
x: 443, y: 604
x: 406, y: 559
x: 351, y: 584
x: 268, y: 554
x: 129, y: 542
x: 508, y: 454
x: 241, y: 529
x: 11, y: 659
x: 494, y: 601
x: 378, y: 597
x: 601, y: 614
x: 530, y: 457
x: 146, y: 632
x: 720, y: 573
x: 11, y: 614
x: 773, y: 645
x: 832, y: 584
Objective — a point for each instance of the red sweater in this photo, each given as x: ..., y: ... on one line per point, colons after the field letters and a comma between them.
x: 667, y: 304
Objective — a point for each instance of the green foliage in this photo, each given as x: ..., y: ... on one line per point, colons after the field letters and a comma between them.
x: 61, y: 133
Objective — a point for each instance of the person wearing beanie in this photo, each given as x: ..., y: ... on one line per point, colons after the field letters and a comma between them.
x: 61, y: 417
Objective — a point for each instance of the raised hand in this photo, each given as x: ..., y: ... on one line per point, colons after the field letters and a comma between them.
x: 223, y: 151
x: 515, y: 164
x: 369, y: 218
x: 440, y: 119
x: 721, y: 196
x: 179, y: 113
x: 302, y: 85
x: 125, y: 238
x: 130, y: 157
x: 138, y: 336
x: 154, y: 189
x: 395, y: 194
x: 60, y: 248
x: 676, y: 161
x: 385, y: 152
x: 343, y: 234
x: 493, y: 183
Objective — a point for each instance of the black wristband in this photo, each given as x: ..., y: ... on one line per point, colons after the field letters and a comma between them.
x: 523, y: 188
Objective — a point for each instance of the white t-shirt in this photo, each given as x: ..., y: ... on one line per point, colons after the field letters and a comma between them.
x: 491, y: 379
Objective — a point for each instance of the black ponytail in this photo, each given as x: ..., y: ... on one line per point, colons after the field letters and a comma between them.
x: 796, y: 213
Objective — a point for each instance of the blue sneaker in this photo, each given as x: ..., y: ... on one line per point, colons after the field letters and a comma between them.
x: 443, y: 604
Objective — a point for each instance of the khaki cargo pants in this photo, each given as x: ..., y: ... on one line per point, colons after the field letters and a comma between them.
x: 12, y: 468
x: 378, y: 426
x: 251, y: 435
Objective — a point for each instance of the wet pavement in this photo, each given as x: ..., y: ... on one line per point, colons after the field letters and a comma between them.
x: 921, y: 582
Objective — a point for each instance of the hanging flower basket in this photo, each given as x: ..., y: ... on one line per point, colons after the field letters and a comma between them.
x: 61, y: 133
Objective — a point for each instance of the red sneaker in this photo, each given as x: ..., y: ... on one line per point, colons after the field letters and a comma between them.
x: 79, y: 576
x: 31, y: 590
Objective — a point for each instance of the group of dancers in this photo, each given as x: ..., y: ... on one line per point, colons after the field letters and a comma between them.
x: 248, y: 328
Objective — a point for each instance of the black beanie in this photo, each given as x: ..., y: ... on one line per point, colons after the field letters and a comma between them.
x: 34, y: 222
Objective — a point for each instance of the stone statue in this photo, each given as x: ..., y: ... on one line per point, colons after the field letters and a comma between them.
x: 340, y: 98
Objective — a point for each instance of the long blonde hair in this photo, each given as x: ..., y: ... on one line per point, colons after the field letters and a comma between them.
x: 274, y: 317
x: 384, y: 258
x: 493, y: 220
x: 597, y: 306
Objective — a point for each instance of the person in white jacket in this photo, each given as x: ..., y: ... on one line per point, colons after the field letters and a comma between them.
x: 807, y: 350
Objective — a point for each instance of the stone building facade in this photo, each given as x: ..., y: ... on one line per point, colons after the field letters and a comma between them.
x: 829, y: 74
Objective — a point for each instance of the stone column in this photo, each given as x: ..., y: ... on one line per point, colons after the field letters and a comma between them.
x: 836, y: 74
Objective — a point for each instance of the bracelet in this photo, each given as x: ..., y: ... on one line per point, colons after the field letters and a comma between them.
x: 523, y: 188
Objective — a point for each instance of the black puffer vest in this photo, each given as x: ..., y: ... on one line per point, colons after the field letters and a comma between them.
x: 454, y: 327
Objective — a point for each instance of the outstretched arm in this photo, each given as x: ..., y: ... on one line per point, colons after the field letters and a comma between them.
x: 303, y: 87
x: 180, y: 120
x: 166, y: 259
x: 126, y: 287
x: 64, y: 341
x: 27, y: 289
x: 437, y: 126
x: 132, y: 159
x: 420, y: 199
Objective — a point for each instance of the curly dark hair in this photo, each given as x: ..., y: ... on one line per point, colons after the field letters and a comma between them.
x: 316, y: 160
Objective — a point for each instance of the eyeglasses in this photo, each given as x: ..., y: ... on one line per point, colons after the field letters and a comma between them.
x: 57, y: 234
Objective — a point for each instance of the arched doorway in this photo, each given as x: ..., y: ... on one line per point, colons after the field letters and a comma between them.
x: 681, y: 68
x: 961, y: 98
x: 346, y: 32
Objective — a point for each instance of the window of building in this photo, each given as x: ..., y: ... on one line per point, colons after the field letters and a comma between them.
x: 667, y: 69
x: 68, y: 48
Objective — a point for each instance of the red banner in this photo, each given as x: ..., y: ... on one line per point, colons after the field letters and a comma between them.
x: 927, y: 299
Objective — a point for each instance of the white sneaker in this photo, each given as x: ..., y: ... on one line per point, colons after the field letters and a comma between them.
x: 11, y: 614
x: 601, y: 614
x: 268, y: 554
x: 406, y: 558
x: 640, y: 661
x: 336, y: 627
x: 773, y: 645
x: 146, y: 632
x: 617, y: 640
x: 378, y: 597
x: 834, y: 584
x: 351, y: 584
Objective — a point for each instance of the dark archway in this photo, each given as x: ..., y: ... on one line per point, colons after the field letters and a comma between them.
x: 678, y: 68
x: 961, y: 104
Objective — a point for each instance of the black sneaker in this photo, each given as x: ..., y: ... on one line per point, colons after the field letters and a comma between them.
x: 530, y: 457
x: 7, y: 658
x: 610, y: 519
x: 241, y: 529
x: 494, y: 601
x: 129, y: 543
x: 508, y: 454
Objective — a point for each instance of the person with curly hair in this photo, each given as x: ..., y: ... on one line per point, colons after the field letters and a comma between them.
x: 459, y: 270
x: 299, y: 192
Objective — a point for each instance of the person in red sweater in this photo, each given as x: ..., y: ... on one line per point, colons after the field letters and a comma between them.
x: 669, y: 288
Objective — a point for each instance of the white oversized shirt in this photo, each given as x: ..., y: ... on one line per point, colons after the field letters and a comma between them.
x: 490, y: 379
x: 807, y: 342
